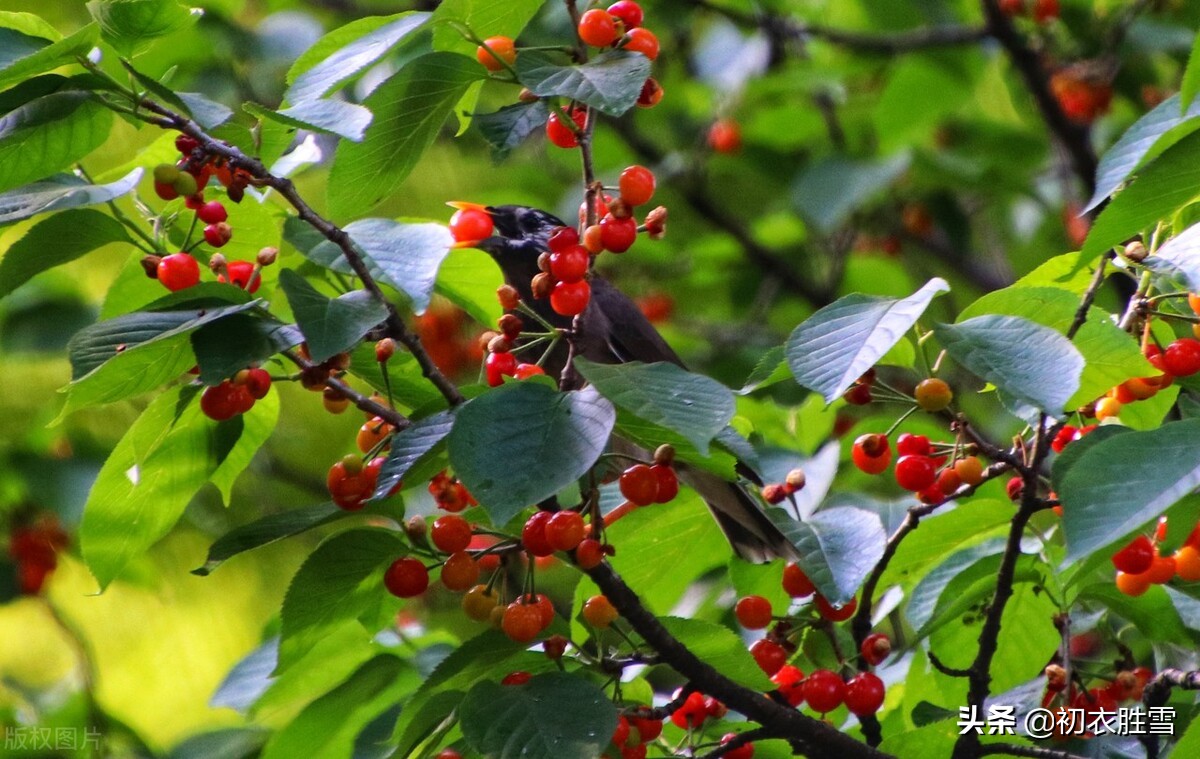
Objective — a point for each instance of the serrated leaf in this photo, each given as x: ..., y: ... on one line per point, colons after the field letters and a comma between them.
x: 149, y: 478
x: 404, y: 256
x: 508, y: 127
x: 1031, y: 362
x: 130, y: 25
x: 1102, y: 502
x: 720, y: 647
x: 409, y: 109
x: 523, y: 442
x: 1129, y: 152
x: 690, y: 404
x: 60, y: 192
x: 337, y: 582
x: 24, y: 61
x: 345, y: 52
x: 409, y: 447
x: 834, y: 346
x: 1159, y: 189
x: 49, y: 134
x: 330, y: 325
x: 838, y: 547
x: 54, y: 241
x: 267, y: 530
x: 1190, y: 84
x: 610, y: 82
x: 553, y: 716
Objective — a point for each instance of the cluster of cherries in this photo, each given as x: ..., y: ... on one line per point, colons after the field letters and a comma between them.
x: 633, y: 733
x: 1127, y: 685
x: 695, y: 710
x: 919, y: 468
x: 34, y: 547
x: 1082, y: 98
x: 237, y: 395
x: 1140, y: 563
x: 352, y: 479
x: 1181, y: 358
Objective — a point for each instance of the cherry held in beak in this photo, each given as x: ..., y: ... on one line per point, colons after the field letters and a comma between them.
x: 470, y: 224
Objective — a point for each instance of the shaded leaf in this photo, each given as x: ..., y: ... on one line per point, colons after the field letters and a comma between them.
x: 409, y: 447
x: 520, y: 443
x: 1180, y: 256
x: 23, y: 55
x: 610, y: 82
x: 225, y: 347
x: 838, y: 547
x: 508, y: 127
x: 267, y: 530
x: 330, y: 326
x: 720, y: 647
x: 830, y: 189
x: 129, y: 25
x: 54, y: 241
x: 348, y: 120
x: 834, y: 346
x: 49, y: 134
x: 1191, y: 79
x: 485, y: 18
x: 59, y: 192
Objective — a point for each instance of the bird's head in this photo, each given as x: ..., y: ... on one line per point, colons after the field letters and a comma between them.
x: 521, y: 233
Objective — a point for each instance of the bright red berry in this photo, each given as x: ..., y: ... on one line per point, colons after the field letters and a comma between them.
x: 871, y: 453
x: 521, y: 621
x: 525, y: 371
x: 589, y: 554
x: 498, y: 51
x: 212, y: 212
x: 1014, y: 488
x: 617, y: 235
x: 832, y: 613
x: 597, y: 28
x: 1136, y: 557
x: 533, y: 535
x: 725, y: 136
x: 824, y: 690
x: 651, y: 94
x: 599, y: 612
x: 241, y: 274
x: 460, y: 571
x: 915, y: 472
x: 562, y: 135
x: 471, y: 225
x: 875, y: 648
x: 864, y: 694
x: 218, y: 234
x: 1182, y: 357
x: 789, y: 680
x: 642, y: 41
x: 499, y: 365
x: 570, y: 298
x: 795, y: 583
x: 769, y: 655
x: 639, y: 485
x: 178, y: 271
x: 753, y: 612
x: 908, y: 444
x: 570, y: 264
x: 629, y: 12
x: 565, y: 530
x: 745, y: 751
x: 691, y: 713
x: 406, y: 578
x: 225, y: 401
x: 257, y: 382
x: 668, y: 483
x: 516, y: 678
x: 450, y: 533
x: 562, y: 238
x: 637, y: 186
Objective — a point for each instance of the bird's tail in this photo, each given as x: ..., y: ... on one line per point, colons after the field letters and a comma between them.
x: 753, y: 536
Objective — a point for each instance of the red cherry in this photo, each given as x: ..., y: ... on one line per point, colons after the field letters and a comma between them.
x: 691, y: 713
x: 795, y: 583
x: 642, y: 41
x: 824, y: 690
x: 1045, y: 10
x: 257, y: 382
x: 912, y: 445
x: 450, y: 534
x: 471, y: 225
x: 516, y: 678
x: 589, y: 554
x: 769, y: 655
x: 871, y: 453
x: 1182, y: 357
x: 753, y: 612
x: 828, y: 611
x: 521, y: 622
x: 1014, y: 487
x: 562, y: 135
x: 617, y: 235
x: 875, y: 648
x: 651, y: 94
x: 240, y: 273
x: 629, y: 12
x: 639, y: 485
x: 218, y: 234
x: 668, y: 483
x: 497, y: 366
x: 562, y: 238
x: 621, y: 733
x: 570, y: 298
x: 725, y: 136
x: 460, y: 571
x: 178, y: 271
x: 789, y: 680
x: 1136, y: 557
x: 745, y: 751
x: 525, y: 371
x: 212, y: 212
x: 565, y: 530
x: 597, y: 28
x: 570, y: 264
x: 406, y: 578
x: 915, y: 472
x: 648, y: 729
x: 864, y: 694
x: 637, y: 186
x: 225, y: 401
x: 533, y: 535
x: 499, y: 50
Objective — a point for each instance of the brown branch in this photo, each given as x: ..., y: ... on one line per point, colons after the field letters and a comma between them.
x: 946, y: 669
x: 363, y: 402
x: 1089, y: 296
x: 396, y: 328
x: 1156, y: 693
x: 821, y: 739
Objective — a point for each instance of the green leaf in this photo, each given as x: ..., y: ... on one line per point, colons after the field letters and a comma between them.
x: 327, y: 728
x: 405, y: 256
x: 1033, y: 363
x: 610, y: 82
x: 54, y: 241
x: 267, y: 530
x: 337, y: 582
x: 690, y: 404
x: 59, y: 192
x: 26, y: 56
x: 48, y: 135
x: 1180, y: 256
x: 834, y: 346
x: 470, y: 283
x: 205, y: 112
x: 409, y: 109
x: 330, y: 326
x: 348, y: 120
x: 720, y: 647
x: 838, y: 547
x: 1152, y: 612
x: 345, y: 52
x: 225, y: 347
x: 409, y: 447
x: 830, y: 189
x: 1129, y: 152
x: 485, y: 18
x: 508, y: 127
x: 149, y: 478
x: 942, y: 533
x: 1103, y: 502
x: 553, y: 716
x: 1158, y: 190
x: 523, y: 442
x: 1190, y: 84
x: 130, y: 25
x: 257, y: 425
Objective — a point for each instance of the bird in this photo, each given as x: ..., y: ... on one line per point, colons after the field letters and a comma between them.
x: 615, y: 331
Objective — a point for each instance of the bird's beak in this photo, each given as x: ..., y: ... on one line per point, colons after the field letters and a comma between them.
x: 462, y: 205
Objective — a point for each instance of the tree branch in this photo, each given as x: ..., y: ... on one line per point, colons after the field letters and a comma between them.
x: 1156, y: 693
x: 741, y: 740
x: 363, y: 402
x: 1012, y: 749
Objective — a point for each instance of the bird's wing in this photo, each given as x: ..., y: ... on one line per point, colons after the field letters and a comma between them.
x: 635, y: 339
